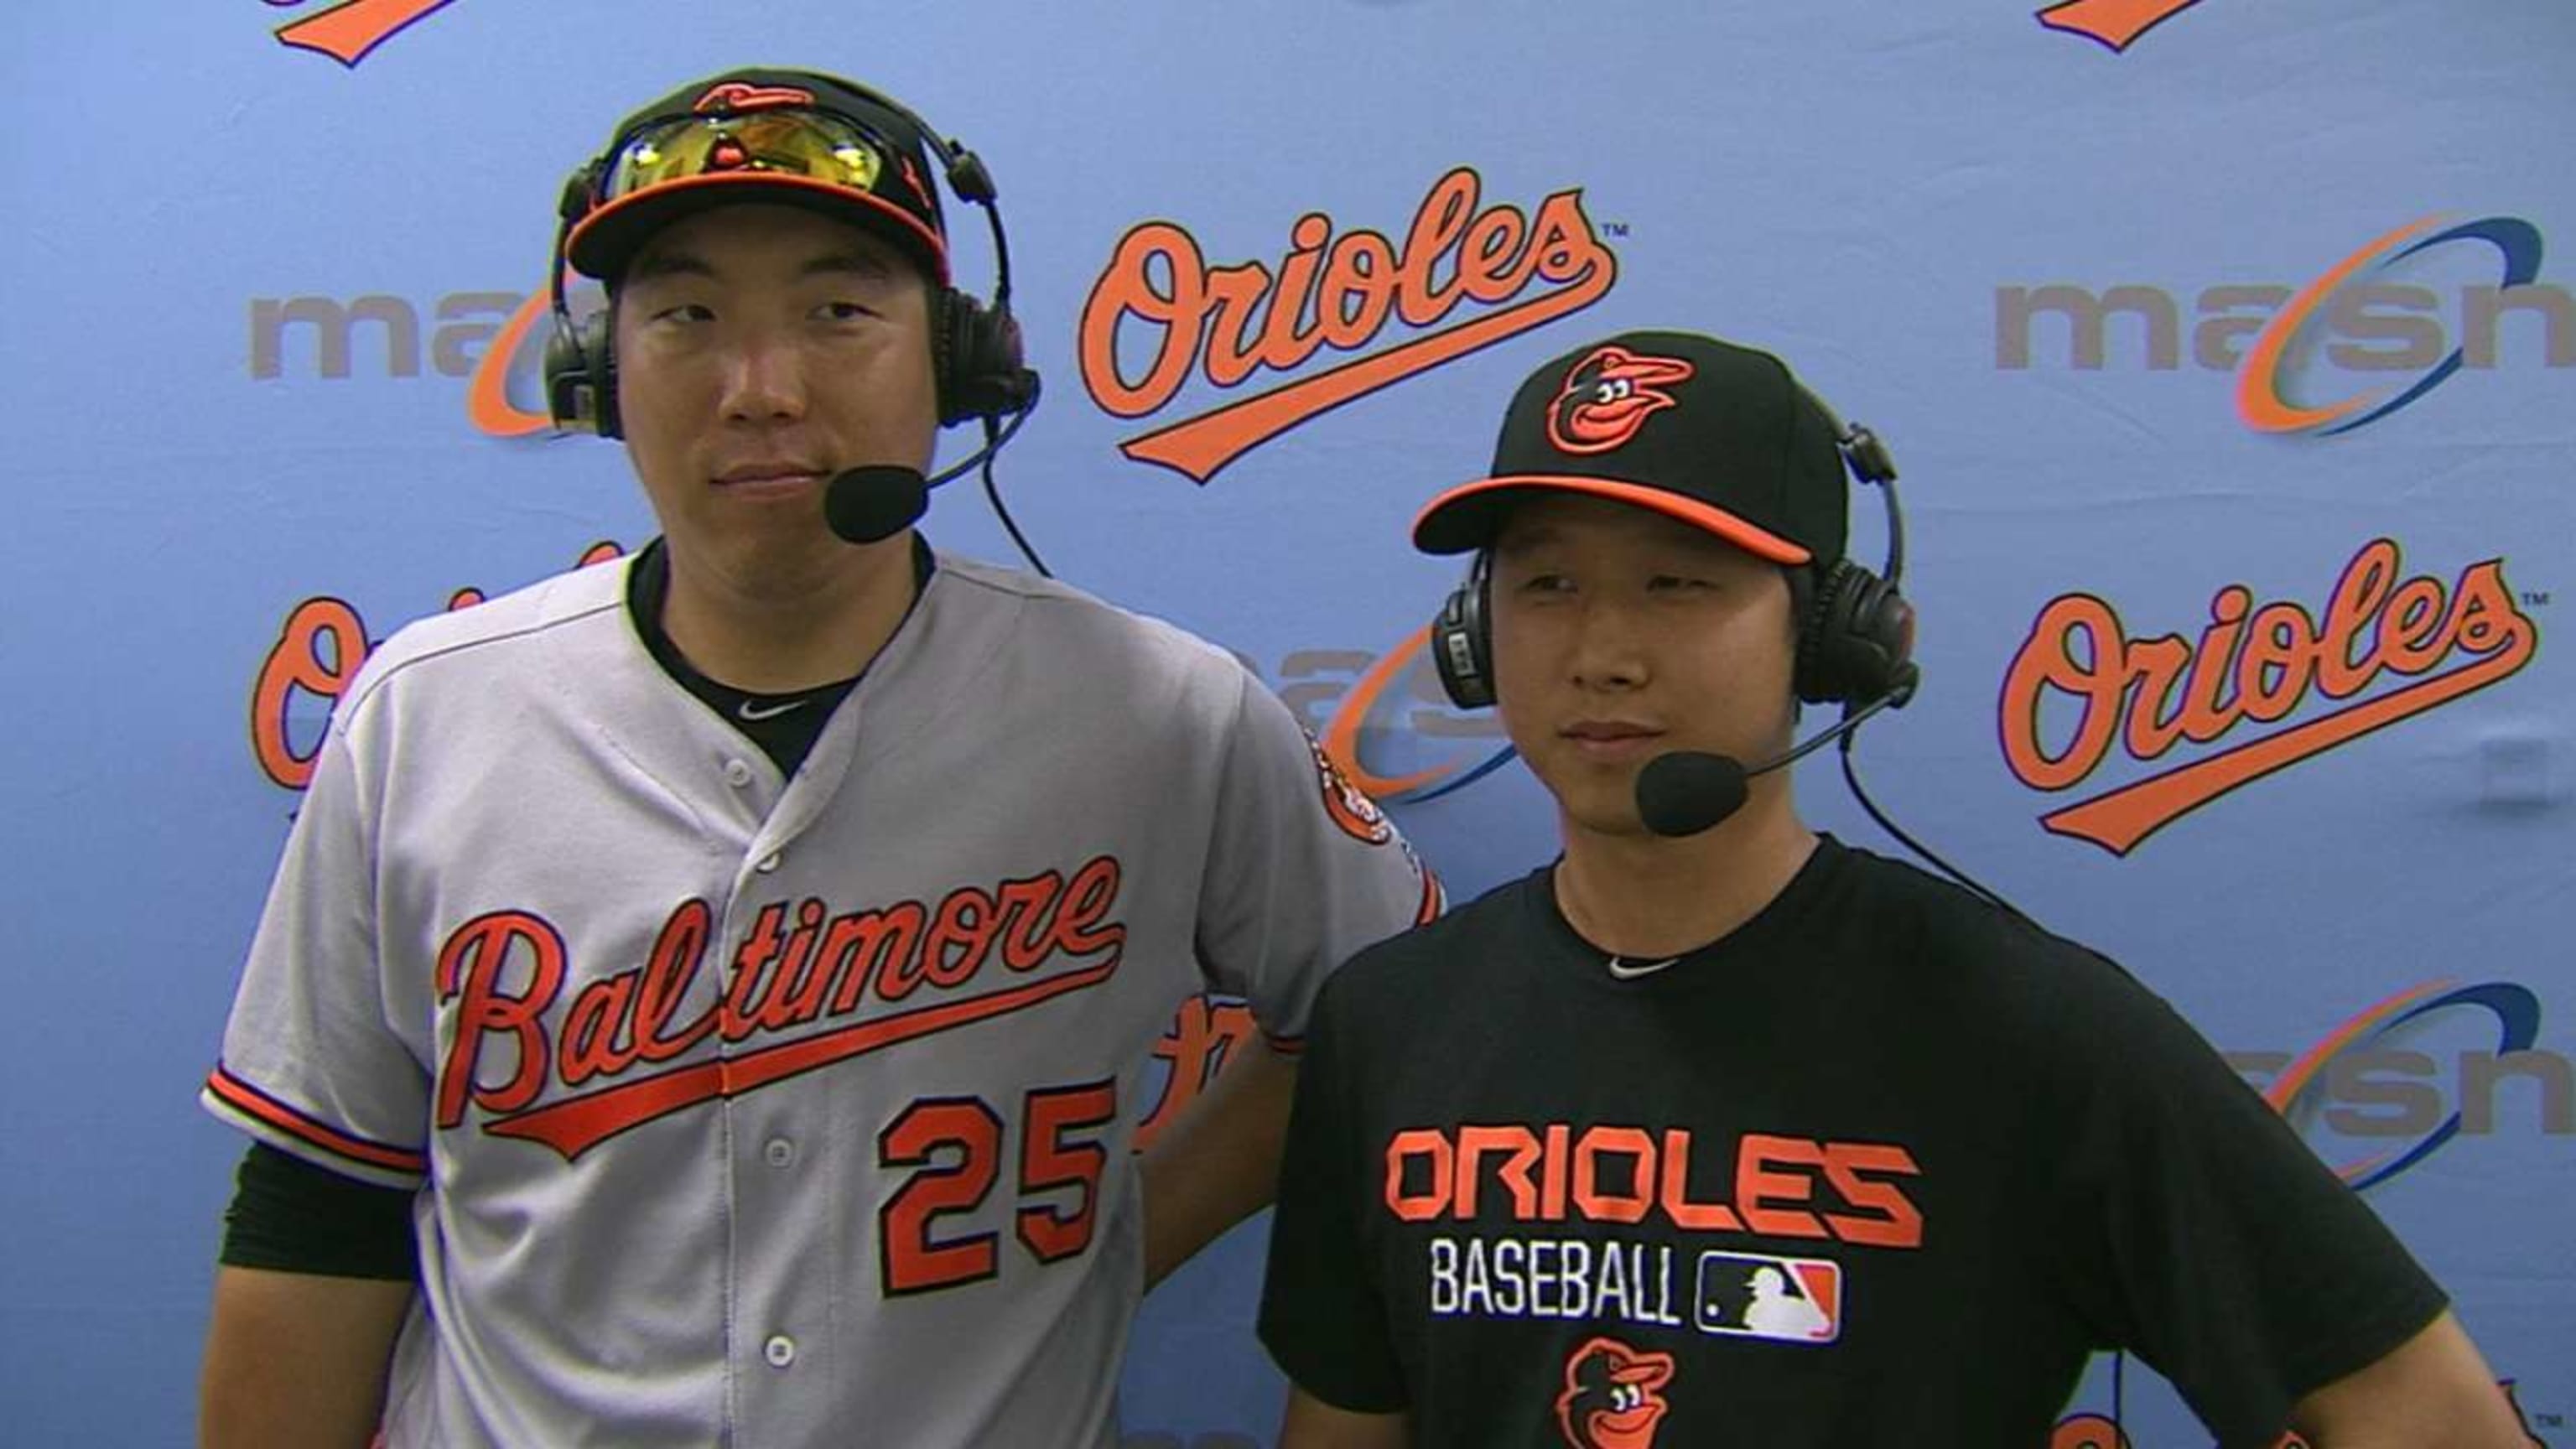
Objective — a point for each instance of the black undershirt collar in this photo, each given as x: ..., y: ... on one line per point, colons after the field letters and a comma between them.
x: 1711, y: 961
x: 785, y: 726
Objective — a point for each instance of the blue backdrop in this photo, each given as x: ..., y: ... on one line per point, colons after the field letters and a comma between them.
x: 2223, y: 346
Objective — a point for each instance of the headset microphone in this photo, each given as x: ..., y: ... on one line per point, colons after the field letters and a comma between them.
x: 876, y: 501
x: 1688, y: 791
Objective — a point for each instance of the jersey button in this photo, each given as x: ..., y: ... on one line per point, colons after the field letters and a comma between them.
x: 737, y: 774
x: 780, y: 1350
x: 779, y: 1151
x: 766, y: 863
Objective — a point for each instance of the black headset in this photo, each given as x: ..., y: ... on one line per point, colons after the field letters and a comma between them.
x: 976, y: 357
x: 1855, y: 631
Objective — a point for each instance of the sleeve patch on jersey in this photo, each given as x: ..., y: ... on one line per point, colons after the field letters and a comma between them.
x: 249, y: 1101
x: 1435, y: 897
x: 1349, y: 806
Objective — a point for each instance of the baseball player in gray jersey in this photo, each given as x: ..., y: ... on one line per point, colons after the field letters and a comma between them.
x: 706, y: 998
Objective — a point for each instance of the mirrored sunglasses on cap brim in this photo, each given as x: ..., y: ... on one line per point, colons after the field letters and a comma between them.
x: 811, y: 145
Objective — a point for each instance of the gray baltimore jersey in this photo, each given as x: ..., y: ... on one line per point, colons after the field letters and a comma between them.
x: 764, y: 1111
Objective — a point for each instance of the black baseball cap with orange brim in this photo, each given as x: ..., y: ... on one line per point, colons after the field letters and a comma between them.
x: 1719, y: 436
x: 789, y: 137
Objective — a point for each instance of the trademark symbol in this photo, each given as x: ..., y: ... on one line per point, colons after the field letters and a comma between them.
x: 2535, y: 598
x: 1614, y: 228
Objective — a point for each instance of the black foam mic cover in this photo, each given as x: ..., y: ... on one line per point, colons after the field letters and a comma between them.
x: 1686, y: 791
x: 876, y: 501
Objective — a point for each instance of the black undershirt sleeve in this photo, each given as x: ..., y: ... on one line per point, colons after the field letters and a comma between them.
x: 290, y: 1216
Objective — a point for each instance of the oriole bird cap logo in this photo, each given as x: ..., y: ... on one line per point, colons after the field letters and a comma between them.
x: 1609, y: 395
x: 1613, y: 1396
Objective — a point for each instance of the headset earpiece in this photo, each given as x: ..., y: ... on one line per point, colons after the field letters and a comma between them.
x: 1856, y: 643
x: 979, y: 368
x: 1856, y: 633
x: 581, y: 376
x: 581, y: 357
x: 1462, y: 639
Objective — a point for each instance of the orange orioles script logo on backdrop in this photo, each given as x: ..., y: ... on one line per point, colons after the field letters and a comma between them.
x: 2251, y: 667
x: 317, y: 654
x: 1160, y: 301
x: 348, y: 31
x: 2117, y: 24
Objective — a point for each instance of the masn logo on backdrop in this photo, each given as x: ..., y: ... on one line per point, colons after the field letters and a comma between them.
x: 2085, y: 685
x: 2373, y: 333
x: 1466, y: 275
x: 1386, y: 721
x: 495, y: 341
x: 346, y: 32
x: 2388, y: 1088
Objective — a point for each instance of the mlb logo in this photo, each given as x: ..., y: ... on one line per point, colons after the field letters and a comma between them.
x: 1786, y: 1300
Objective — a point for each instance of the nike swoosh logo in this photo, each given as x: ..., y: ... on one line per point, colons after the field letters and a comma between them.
x: 1628, y: 972
x: 754, y: 714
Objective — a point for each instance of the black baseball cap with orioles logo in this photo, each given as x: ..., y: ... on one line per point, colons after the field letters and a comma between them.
x: 790, y: 137
x: 1719, y: 436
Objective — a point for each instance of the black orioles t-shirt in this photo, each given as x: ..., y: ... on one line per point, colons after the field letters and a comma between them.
x: 1883, y: 1166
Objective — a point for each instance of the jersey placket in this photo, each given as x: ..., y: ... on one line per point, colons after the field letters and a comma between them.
x: 784, y: 1140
